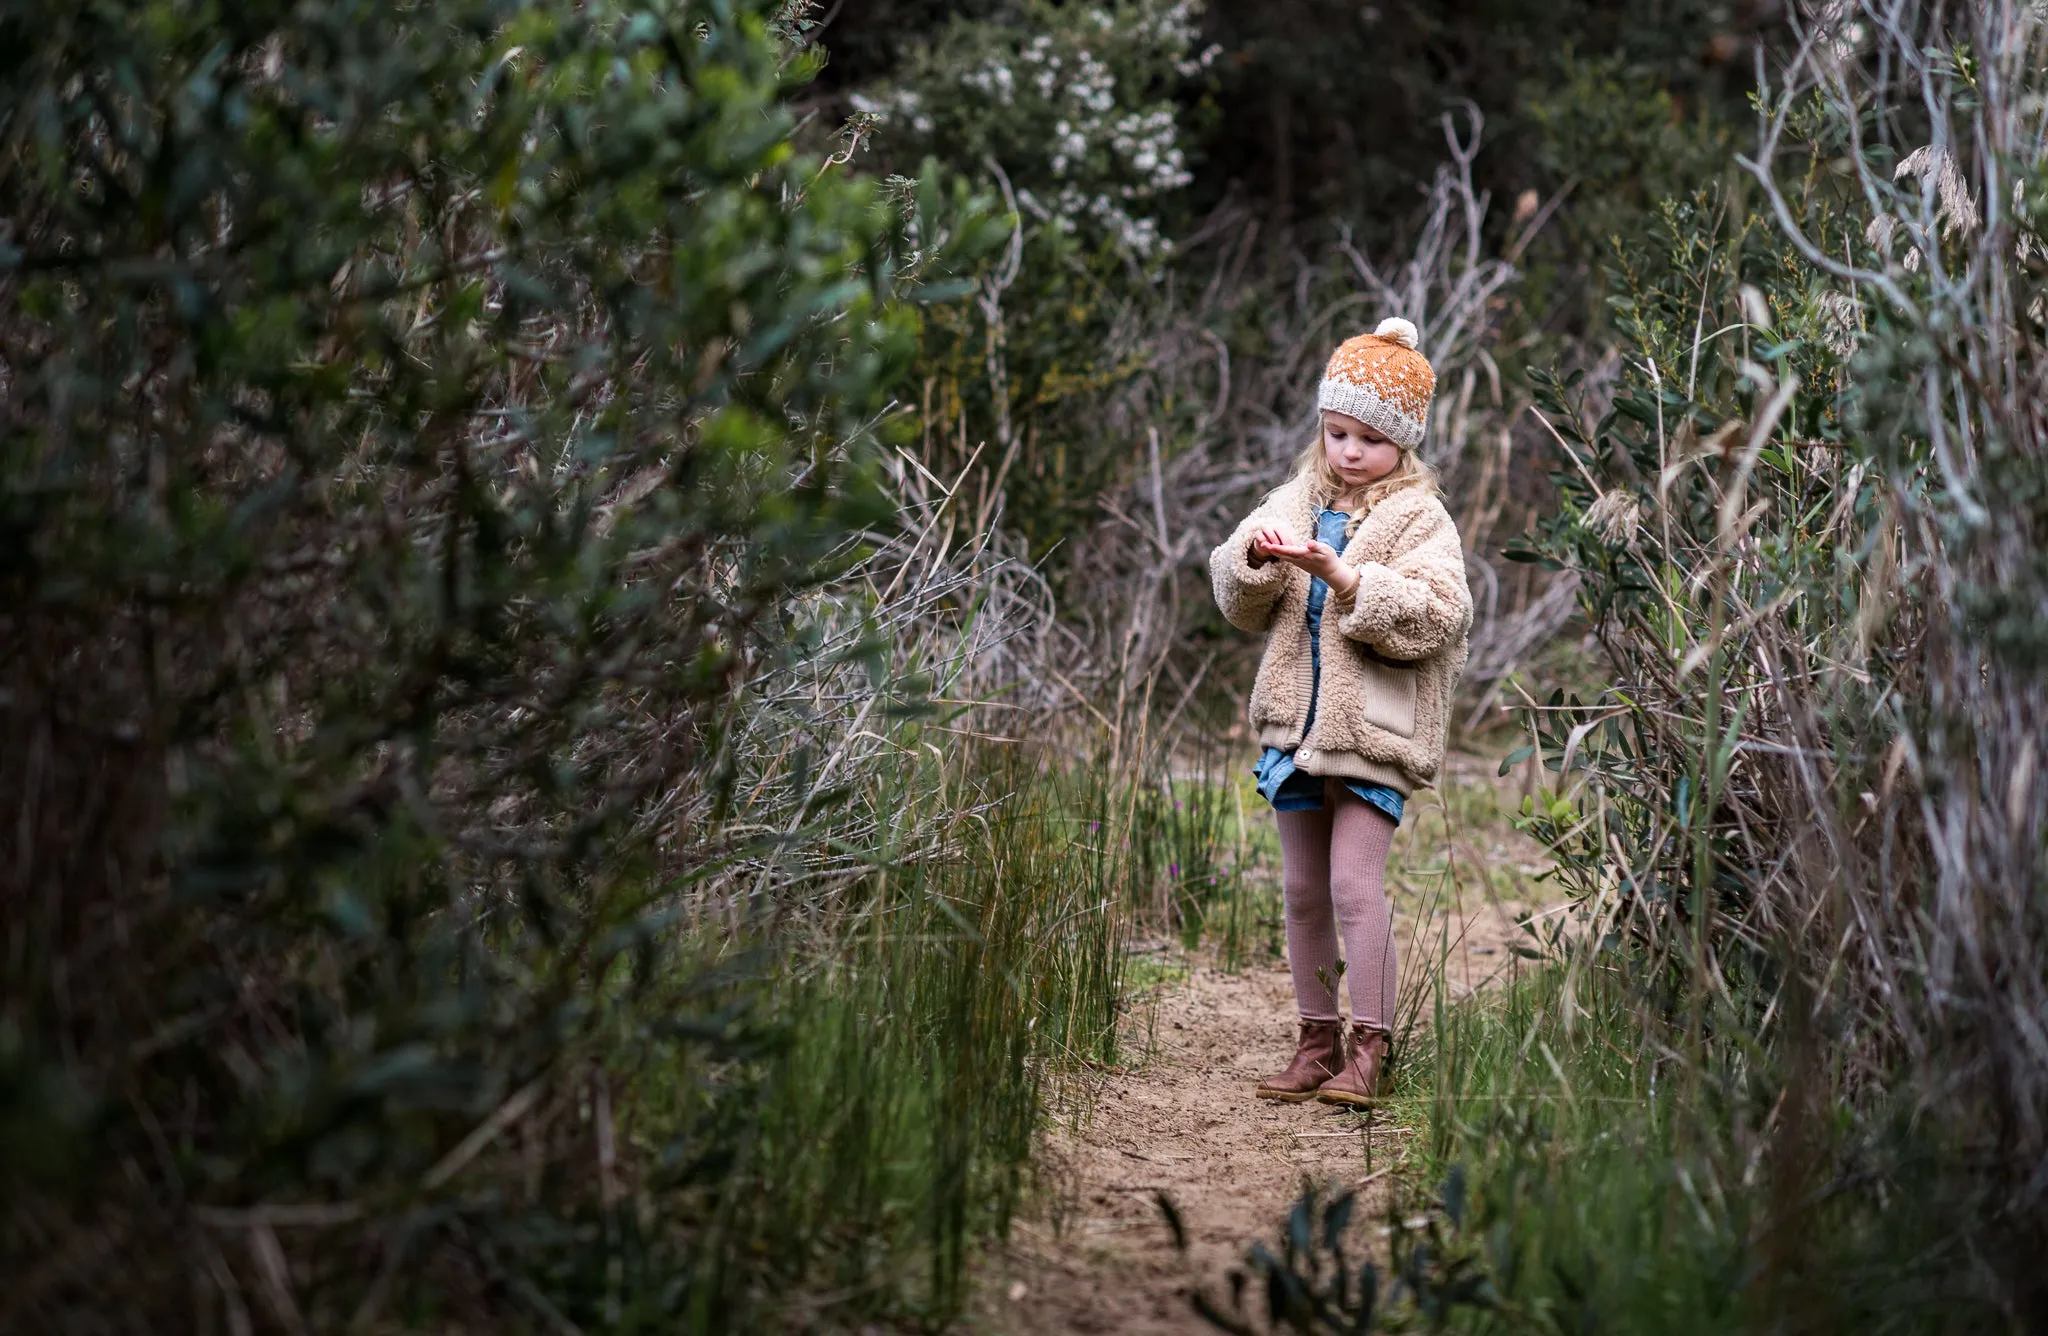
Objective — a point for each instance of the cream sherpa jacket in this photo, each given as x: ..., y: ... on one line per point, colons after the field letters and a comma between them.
x: 1389, y: 673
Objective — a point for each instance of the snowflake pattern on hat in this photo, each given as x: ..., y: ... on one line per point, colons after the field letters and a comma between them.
x: 1380, y: 379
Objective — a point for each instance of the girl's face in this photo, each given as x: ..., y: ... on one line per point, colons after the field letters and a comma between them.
x: 1356, y: 453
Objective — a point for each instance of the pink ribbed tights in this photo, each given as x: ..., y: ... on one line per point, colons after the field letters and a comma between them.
x: 1336, y: 858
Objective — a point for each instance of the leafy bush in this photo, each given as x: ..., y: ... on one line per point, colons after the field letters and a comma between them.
x: 1312, y: 1286
x: 442, y: 490
x: 1074, y: 104
x: 1071, y: 113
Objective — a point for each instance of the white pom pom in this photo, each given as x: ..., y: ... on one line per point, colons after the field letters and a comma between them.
x: 1396, y: 330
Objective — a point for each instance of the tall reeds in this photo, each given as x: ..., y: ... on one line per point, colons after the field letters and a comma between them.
x: 1802, y: 821
x: 913, y: 1033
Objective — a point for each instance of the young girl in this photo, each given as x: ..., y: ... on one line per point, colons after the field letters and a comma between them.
x: 1355, y: 543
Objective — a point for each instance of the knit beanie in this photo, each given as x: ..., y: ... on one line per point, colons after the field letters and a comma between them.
x: 1382, y: 381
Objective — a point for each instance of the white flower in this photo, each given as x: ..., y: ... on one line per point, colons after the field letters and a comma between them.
x: 1176, y: 26
x: 1106, y: 151
x: 994, y: 79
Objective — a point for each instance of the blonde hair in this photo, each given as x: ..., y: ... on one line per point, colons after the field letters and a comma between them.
x: 1412, y: 472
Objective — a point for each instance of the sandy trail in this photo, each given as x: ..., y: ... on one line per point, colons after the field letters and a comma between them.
x: 1097, y: 1256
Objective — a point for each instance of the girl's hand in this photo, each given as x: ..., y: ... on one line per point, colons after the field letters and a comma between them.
x: 1320, y: 560
x: 1269, y: 543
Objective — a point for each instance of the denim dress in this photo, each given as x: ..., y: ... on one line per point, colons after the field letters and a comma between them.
x: 1289, y: 789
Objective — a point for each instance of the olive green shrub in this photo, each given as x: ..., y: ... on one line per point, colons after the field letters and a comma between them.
x: 423, y: 431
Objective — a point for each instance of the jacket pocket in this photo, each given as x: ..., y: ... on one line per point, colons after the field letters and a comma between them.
x: 1389, y: 695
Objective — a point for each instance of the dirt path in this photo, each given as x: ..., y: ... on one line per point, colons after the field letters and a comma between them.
x: 1096, y: 1256
x: 1184, y: 1123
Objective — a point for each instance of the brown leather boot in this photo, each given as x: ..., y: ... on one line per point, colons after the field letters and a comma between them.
x: 1358, y: 1085
x: 1317, y: 1057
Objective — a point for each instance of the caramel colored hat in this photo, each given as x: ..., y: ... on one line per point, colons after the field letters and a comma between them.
x: 1382, y: 381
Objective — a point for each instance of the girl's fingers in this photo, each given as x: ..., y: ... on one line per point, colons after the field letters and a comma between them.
x: 1280, y: 544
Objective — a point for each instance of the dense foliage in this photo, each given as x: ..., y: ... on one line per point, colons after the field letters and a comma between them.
x: 510, y: 520
x: 429, y: 436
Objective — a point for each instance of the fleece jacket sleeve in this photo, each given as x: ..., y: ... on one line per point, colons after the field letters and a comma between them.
x: 1417, y: 601
x: 1245, y: 593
